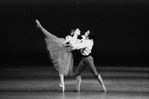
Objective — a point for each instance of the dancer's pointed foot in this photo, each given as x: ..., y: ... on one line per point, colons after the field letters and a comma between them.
x: 99, y: 78
x: 104, y: 89
x: 63, y: 87
x: 78, y: 83
x: 38, y: 24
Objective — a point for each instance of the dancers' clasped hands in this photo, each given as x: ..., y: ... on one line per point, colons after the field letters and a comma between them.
x: 72, y: 39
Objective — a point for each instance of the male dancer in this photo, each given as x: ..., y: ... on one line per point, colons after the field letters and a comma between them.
x: 87, y: 60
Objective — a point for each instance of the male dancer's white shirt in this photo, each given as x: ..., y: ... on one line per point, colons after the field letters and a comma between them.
x: 85, y: 46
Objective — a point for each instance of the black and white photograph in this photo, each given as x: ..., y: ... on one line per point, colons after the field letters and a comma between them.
x: 74, y: 49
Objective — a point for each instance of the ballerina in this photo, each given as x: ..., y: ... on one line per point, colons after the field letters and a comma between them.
x: 60, y: 52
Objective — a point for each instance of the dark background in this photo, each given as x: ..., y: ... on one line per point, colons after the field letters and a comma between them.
x: 121, y: 28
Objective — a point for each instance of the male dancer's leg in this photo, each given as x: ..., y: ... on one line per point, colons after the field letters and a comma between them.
x: 94, y: 71
x: 78, y: 72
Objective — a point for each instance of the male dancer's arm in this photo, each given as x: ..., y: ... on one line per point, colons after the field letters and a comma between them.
x: 78, y: 45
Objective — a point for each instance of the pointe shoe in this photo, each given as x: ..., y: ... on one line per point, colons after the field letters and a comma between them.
x: 63, y: 87
x: 78, y: 83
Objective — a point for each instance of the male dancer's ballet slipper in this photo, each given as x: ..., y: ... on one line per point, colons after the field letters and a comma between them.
x: 104, y: 89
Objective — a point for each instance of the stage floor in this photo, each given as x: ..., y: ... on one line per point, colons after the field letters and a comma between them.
x: 42, y: 82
